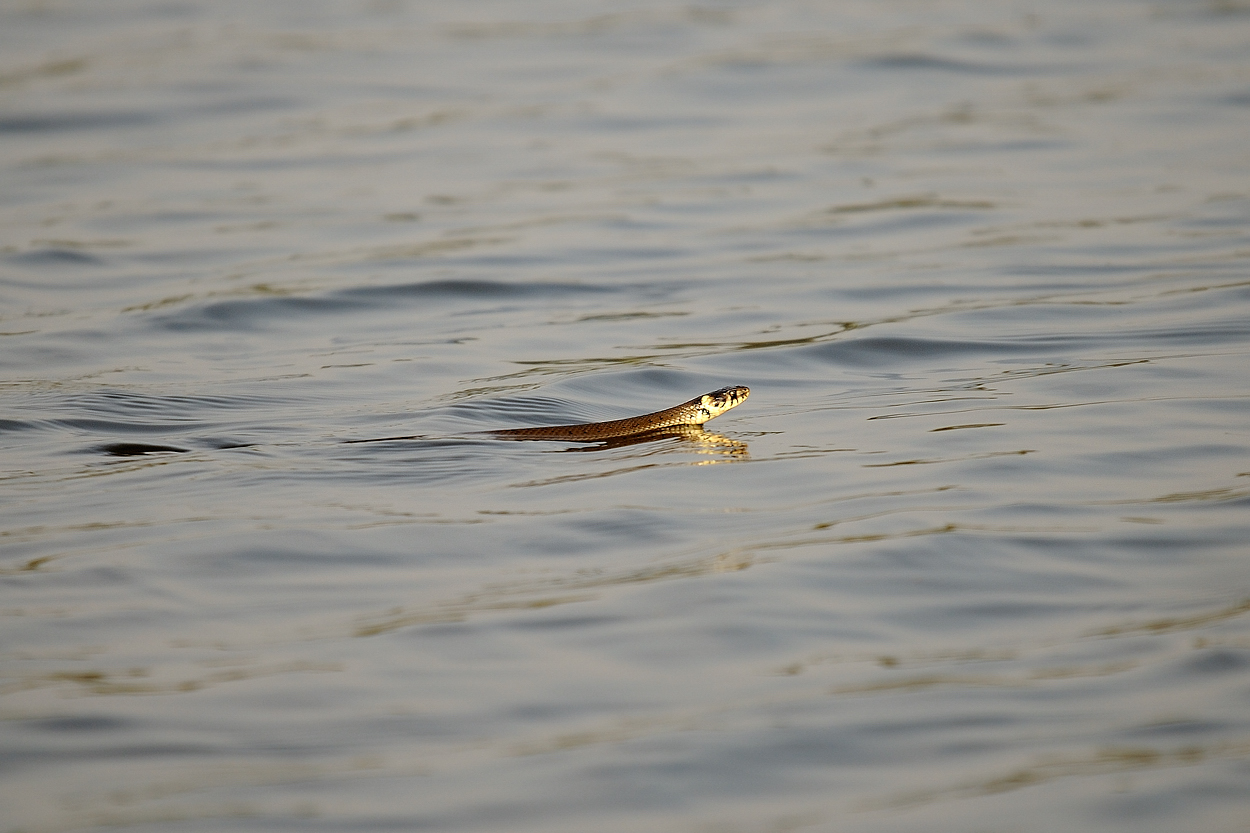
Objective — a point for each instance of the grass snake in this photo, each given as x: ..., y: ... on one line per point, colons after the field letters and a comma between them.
x: 695, y: 412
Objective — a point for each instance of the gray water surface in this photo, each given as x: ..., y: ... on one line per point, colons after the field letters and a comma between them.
x: 972, y: 557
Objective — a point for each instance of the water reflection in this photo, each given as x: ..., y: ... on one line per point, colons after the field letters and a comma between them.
x: 690, y: 436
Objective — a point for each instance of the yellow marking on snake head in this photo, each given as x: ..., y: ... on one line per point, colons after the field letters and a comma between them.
x: 718, y: 401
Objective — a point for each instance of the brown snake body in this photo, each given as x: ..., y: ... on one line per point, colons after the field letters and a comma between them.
x: 695, y: 412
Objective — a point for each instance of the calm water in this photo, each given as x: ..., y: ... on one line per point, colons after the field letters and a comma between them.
x: 973, y: 556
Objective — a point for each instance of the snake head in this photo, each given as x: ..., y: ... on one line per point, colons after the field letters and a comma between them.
x: 718, y: 401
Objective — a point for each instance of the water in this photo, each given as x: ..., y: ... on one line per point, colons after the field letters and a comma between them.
x: 971, y: 557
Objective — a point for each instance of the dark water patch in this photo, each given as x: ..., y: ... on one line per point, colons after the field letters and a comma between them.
x: 1004, y: 146
x: 1221, y: 661
x: 936, y: 63
x: 1212, y: 8
x: 19, y: 757
x: 1230, y: 219
x: 987, y: 38
x: 1208, y: 334
x: 55, y: 257
x: 137, y: 449
x: 54, y: 122
x: 637, y: 124
x: 266, y: 310
x: 890, y: 351
x: 760, y: 176
x: 236, y: 106
x: 288, y: 555
x: 65, y: 122
x: 252, y: 313
x: 454, y: 289
x: 640, y: 254
x: 17, y: 425
x: 1182, y: 728
x: 394, y: 439
x: 81, y: 723
x: 578, y: 623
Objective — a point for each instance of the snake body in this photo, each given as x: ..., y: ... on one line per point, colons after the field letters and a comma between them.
x: 695, y: 412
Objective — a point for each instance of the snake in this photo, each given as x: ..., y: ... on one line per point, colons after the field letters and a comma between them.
x: 693, y: 413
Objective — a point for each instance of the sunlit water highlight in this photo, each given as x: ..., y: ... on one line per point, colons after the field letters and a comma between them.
x: 971, y: 557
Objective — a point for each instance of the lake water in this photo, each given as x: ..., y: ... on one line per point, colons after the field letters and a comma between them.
x: 974, y: 556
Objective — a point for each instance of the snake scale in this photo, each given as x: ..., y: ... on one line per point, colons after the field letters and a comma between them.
x: 695, y: 412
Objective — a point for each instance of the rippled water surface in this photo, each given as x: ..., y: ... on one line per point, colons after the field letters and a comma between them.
x: 973, y: 556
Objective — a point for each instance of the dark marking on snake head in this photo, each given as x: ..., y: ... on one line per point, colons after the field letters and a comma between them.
x: 726, y: 398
